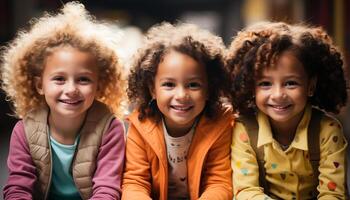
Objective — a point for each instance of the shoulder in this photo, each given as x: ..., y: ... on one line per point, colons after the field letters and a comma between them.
x: 98, y: 110
x: 19, y: 128
x: 218, y: 127
x: 115, y: 133
x: 244, y: 122
x: 223, y: 117
x: 133, y: 116
x: 239, y: 125
x: 331, y: 130
x: 240, y: 132
x: 36, y: 115
x: 226, y: 111
x: 19, y: 125
x: 18, y: 134
x: 329, y: 123
x: 144, y: 126
x: 116, y: 125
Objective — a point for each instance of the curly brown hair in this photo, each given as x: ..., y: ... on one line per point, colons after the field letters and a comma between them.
x: 259, y: 46
x: 188, y: 39
x: 24, y: 58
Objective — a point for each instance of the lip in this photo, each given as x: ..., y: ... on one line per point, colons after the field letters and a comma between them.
x: 181, y: 108
x: 280, y: 108
x: 72, y: 102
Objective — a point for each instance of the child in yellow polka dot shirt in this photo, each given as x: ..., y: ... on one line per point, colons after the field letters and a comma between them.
x: 280, y: 73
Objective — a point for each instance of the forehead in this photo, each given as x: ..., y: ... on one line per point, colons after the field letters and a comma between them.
x: 65, y: 58
x: 286, y: 64
x: 176, y: 64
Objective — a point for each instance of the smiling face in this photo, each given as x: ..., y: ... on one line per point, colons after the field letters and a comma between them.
x: 281, y: 92
x: 180, y: 89
x: 68, y: 83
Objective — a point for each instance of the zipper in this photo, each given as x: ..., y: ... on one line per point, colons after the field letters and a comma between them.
x: 50, y: 152
x: 73, y: 164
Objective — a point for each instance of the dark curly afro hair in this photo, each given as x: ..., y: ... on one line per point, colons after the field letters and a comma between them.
x: 188, y: 39
x: 259, y: 46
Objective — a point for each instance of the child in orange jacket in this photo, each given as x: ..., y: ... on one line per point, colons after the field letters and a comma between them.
x: 178, y: 144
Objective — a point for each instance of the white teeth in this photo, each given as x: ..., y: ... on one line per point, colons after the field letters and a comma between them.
x: 70, y: 101
x: 181, y: 108
x: 280, y: 107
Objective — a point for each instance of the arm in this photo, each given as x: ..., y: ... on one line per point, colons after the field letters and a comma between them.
x: 245, y: 166
x: 332, y: 161
x: 217, y: 180
x: 136, y: 180
x: 110, y: 162
x: 22, y: 171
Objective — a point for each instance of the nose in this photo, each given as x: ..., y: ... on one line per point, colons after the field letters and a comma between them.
x: 181, y: 93
x: 278, y: 93
x: 71, y: 88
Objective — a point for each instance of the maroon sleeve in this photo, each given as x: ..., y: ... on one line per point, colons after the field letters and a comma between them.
x: 22, y: 176
x: 110, y: 163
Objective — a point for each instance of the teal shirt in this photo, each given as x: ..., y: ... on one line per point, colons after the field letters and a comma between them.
x: 62, y: 184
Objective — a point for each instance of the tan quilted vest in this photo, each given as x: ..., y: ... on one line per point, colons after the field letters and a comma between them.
x: 84, y: 163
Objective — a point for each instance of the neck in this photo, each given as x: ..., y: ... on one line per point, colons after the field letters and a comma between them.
x: 65, y: 130
x: 284, y: 132
x: 178, y: 131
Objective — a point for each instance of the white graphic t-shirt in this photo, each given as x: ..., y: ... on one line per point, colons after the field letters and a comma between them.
x: 177, y: 149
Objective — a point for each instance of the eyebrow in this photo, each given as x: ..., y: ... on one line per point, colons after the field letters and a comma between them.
x: 187, y: 78
x: 63, y: 73
x: 167, y: 79
x: 285, y: 77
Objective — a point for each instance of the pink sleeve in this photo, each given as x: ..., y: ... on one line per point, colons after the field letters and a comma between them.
x: 110, y: 163
x: 22, y: 176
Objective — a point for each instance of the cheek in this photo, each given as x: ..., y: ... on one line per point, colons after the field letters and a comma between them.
x: 51, y: 90
x: 260, y: 95
x: 301, y: 93
x: 302, y: 98
x: 258, y: 102
x: 260, y: 99
x: 163, y: 97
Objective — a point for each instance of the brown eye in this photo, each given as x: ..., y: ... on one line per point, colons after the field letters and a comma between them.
x: 194, y: 85
x: 59, y: 79
x: 291, y: 84
x: 84, y: 80
x: 168, y: 84
x: 264, y: 84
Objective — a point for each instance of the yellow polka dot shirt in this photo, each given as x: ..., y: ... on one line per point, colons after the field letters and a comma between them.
x: 289, y: 172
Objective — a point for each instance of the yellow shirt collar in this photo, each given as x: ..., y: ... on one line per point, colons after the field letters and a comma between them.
x: 300, y: 138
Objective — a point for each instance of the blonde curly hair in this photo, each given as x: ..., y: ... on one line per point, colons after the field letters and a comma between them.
x: 24, y: 58
x: 188, y: 39
x: 259, y: 46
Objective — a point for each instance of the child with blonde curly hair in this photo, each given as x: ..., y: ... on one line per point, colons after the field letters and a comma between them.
x: 283, y: 145
x: 64, y: 80
x: 178, y: 144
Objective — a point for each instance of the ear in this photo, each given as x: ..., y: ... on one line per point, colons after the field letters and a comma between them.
x: 312, y: 86
x: 39, y: 85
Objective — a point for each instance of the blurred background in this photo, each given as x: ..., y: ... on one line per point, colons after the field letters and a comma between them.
x: 134, y: 17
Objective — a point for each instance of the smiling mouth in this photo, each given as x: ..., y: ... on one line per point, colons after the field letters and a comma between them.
x: 71, y: 102
x: 181, y: 108
x: 280, y: 108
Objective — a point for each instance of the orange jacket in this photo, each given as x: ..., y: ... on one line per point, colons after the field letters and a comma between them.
x: 208, y: 160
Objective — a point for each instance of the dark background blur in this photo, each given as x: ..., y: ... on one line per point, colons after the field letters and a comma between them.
x: 222, y: 17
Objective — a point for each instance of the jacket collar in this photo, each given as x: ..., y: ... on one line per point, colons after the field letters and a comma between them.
x: 300, y: 139
x: 206, y: 132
